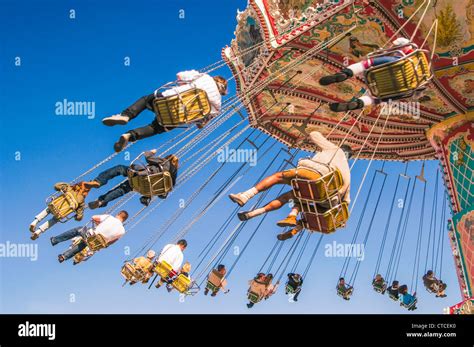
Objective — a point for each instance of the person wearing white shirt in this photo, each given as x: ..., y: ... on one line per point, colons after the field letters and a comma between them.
x: 214, y: 87
x: 110, y: 227
x: 329, y: 157
x: 173, y: 255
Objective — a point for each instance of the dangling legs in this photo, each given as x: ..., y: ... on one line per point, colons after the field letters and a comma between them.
x: 151, y: 129
x: 271, y: 206
x: 282, y: 177
x: 113, y: 194
x: 43, y: 227
x: 38, y: 218
x: 131, y: 112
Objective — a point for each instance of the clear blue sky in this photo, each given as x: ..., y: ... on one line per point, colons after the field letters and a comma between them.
x: 82, y: 60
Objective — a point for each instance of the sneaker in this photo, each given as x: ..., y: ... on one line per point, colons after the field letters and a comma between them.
x: 336, y: 78
x: 285, y: 236
x: 289, y: 221
x: 91, y: 184
x: 33, y: 226
x: 116, y: 119
x: 61, y: 258
x: 346, y: 106
x: 53, y: 243
x: 238, y: 199
x: 95, y: 204
x: 121, y: 143
x: 34, y: 236
x: 243, y: 216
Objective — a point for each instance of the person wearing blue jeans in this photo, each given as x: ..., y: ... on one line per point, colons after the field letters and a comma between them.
x: 103, y: 178
x: 358, y: 69
x: 68, y: 235
x: 154, y: 164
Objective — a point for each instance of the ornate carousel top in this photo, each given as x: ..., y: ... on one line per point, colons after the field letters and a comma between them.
x: 281, y: 50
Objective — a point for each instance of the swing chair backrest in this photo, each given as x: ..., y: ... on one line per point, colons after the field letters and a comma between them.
x: 96, y: 242
x: 253, y: 297
x: 317, y: 219
x: 128, y: 271
x: 379, y: 287
x: 79, y: 257
x: 156, y: 184
x: 215, y: 278
x: 187, y: 107
x: 401, y: 78
x: 163, y: 269
x: 181, y: 283
x: 410, y: 305
x: 319, y: 190
x: 63, y: 206
x: 289, y: 289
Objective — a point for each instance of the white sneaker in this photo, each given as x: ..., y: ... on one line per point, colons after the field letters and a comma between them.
x: 33, y: 225
x: 116, y: 119
x: 239, y: 199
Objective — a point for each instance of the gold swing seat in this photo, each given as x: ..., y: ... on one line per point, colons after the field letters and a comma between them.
x: 163, y: 269
x: 182, y: 283
x: 319, y: 190
x: 184, y: 108
x: 157, y: 184
x: 316, y: 219
x: 401, y: 78
x: 214, y: 281
x: 63, y: 206
x: 96, y: 242
x: 132, y: 272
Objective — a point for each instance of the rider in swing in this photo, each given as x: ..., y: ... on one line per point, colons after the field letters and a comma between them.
x: 358, y: 69
x: 214, y: 87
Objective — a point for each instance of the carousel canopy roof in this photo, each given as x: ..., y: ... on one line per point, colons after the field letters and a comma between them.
x: 281, y: 92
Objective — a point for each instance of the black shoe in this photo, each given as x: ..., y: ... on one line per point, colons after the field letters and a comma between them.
x: 53, y: 243
x: 145, y: 200
x: 285, y: 236
x: 346, y: 106
x: 120, y: 144
x: 61, y: 258
x: 243, y: 216
x: 336, y: 78
x: 96, y: 204
x: 249, y: 305
x: 214, y: 294
x: 206, y: 291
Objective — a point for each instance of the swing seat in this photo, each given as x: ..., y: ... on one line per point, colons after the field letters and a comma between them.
x: 163, y: 269
x: 315, y: 219
x: 410, y: 305
x: 379, y: 288
x: 399, y: 79
x: 393, y: 297
x: 157, y: 184
x: 182, y: 283
x: 253, y: 297
x: 96, y: 242
x: 289, y: 289
x: 79, y: 257
x: 63, y: 206
x: 319, y: 190
x: 128, y: 272
x: 188, y: 107
x: 345, y: 293
x: 214, y: 281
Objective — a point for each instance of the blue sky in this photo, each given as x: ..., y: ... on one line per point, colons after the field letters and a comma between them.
x: 83, y: 60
